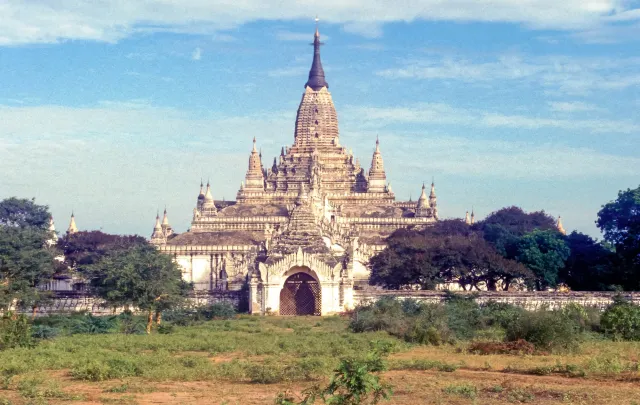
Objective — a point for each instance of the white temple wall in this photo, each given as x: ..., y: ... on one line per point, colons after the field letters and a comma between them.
x: 184, y: 261
x: 201, y: 272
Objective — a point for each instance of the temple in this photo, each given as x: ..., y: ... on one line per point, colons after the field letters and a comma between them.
x: 301, y: 232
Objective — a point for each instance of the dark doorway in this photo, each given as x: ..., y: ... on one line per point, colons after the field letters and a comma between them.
x: 300, y: 295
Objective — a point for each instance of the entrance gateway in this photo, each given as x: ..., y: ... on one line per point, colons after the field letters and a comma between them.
x: 300, y: 295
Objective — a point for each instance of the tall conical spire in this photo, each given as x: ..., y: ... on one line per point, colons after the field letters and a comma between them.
x: 165, y: 219
x: 432, y: 195
x: 158, y: 236
x: 158, y: 225
x: 316, y: 73
x: 72, y: 225
x: 377, y: 176
x: 473, y: 216
x: 467, y: 219
x: 559, y: 226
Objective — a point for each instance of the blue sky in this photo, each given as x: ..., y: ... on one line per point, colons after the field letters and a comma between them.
x: 115, y: 109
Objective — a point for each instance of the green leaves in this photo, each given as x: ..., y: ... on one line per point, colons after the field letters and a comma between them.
x: 25, y: 260
x: 545, y: 253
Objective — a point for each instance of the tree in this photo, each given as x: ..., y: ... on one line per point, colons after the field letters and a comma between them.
x: 619, y: 220
x: 24, y: 213
x: 503, y: 228
x: 588, y: 267
x: 25, y: 260
x: 85, y: 248
x: 544, y: 253
x: 448, y: 251
x: 139, y: 276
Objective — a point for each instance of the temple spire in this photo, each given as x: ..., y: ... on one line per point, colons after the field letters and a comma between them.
x: 316, y: 73
x: 559, y: 226
x: 72, y: 225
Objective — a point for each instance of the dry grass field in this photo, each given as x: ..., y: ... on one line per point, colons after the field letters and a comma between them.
x: 249, y: 360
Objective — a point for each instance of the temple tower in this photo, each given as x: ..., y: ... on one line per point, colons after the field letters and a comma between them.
x: 254, y: 180
x: 377, y: 176
x: 72, y: 225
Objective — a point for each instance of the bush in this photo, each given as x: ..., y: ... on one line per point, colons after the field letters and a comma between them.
x: 518, y: 347
x: 221, y: 310
x: 621, y: 321
x: 500, y: 314
x: 547, y: 330
x: 463, y: 315
x: 90, y: 324
x: 44, y: 332
x: 15, y: 331
x: 112, y: 368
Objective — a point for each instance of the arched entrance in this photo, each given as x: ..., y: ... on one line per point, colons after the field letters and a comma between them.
x: 300, y: 295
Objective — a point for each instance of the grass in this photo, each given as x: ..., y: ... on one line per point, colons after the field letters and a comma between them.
x: 256, y: 357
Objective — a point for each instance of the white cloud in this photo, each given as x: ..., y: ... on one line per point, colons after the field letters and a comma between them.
x: 117, y: 162
x: 443, y: 114
x: 196, y: 54
x: 111, y: 20
x: 284, y: 35
x: 572, y: 106
x: 555, y: 74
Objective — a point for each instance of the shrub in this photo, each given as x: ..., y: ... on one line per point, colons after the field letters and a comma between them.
x: 463, y: 390
x: 463, y: 315
x: 90, y: 324
x: 500, y: 314
x: 221, y: 310
x: 517, y: 347
x: 15, y: 331
x: 547, y: 330
x: 587, y: 318
x: 44, y: 332
x: 621, y: 321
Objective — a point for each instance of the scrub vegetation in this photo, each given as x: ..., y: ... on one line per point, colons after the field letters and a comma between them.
x: 456, y: 352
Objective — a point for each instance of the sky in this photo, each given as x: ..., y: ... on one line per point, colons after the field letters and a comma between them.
x: 116, y: 109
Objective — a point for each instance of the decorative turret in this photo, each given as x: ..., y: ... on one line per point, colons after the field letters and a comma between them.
x: 208, y: 205
x: 377, y: 176
x: 255, y: 174
x: 559, y: 226
x: 157, y: 237
x: 166, y: 228
x: 274, y: 167
x: 467, y: 218
x: 316, y: 73
x: 473, y: 217
x: 422, y: 208
x: 432, y: 195
x: 53, y: 239
x: 200, y: 196
x: 72, y: 225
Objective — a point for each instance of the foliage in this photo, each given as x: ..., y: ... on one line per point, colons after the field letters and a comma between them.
x: 354, y: 382
x: 84, y: 248
x: 544, y: 253
x: 44, y: 332
x: 449, y: 251
x: 589, y: 266
x: 25, y: 259
x: 189, y: 315
x: 15, y: 331
x: 23, y: 213
x: 619, y: 220
x: 547, y: 330
x: 504, y: 227
x: 139, y: 276
x: 621, y: 320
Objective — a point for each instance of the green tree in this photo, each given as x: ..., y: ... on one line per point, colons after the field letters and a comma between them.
x: 141, y: 277
x: 545, y: 254
x: 448, y: 251
x: 87, y: 247
x: 589, y: 266
x: 619, y: 220
x: 25, y: 259
x: 24, y: 213
x: 504, y: 228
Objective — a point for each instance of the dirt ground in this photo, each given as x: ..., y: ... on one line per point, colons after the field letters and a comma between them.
x: 479, y: 386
